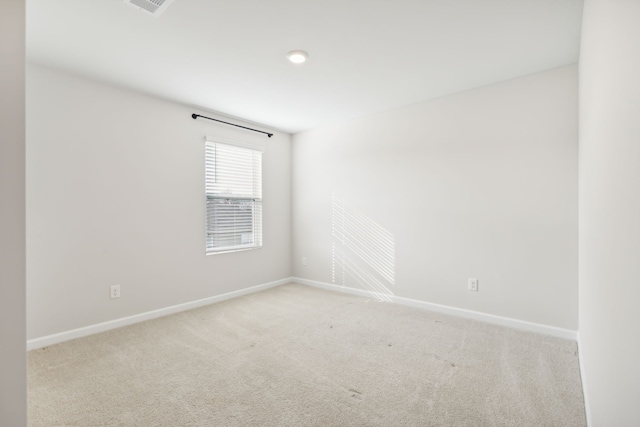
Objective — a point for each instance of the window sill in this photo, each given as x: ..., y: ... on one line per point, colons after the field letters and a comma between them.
x: 233, y: 250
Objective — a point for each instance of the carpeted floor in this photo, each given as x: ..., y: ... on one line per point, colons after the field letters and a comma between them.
x: 300, y: 356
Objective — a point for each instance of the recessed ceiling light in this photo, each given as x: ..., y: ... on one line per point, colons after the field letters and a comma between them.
x: 297, y: 56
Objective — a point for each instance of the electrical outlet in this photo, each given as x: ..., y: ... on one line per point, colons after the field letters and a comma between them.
x: 304, y: 260
x: 473, y: 284
x: 115, y: 291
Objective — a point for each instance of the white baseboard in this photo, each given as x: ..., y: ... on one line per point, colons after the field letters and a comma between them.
x: 469, y: 314
x: 583, y: 377
x: 460, y: 312
x: 117, y: 323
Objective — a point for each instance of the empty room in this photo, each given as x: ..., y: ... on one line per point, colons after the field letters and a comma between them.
x: 302, y: 213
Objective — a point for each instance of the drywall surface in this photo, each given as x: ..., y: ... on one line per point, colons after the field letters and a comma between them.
x: 413, y: 202
x: 115, y: 195
x: 13, y: 378
x: 610, y: 211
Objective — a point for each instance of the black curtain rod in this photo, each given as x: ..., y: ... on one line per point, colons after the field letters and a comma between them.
x: 195, y: 116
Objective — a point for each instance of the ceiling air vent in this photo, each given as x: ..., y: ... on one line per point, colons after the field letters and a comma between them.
x: 154, y: 7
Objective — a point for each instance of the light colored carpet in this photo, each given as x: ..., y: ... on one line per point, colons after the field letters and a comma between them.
x: 299, y: 356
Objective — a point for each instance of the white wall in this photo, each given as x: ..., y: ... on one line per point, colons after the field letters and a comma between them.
x: 479, y: 184
x: 115, y: 195
x: 13, y: 387
x: 610, y: 210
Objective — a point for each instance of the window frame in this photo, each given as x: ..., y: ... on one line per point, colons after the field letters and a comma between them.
x: 255, y: 199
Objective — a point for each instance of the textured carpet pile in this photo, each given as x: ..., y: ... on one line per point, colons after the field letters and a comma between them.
x: 299, y: 356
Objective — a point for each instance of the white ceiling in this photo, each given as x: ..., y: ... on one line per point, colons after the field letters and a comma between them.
x: 365, y: 56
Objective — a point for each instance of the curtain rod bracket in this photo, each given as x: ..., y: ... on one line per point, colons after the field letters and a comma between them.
x: 195, y: 116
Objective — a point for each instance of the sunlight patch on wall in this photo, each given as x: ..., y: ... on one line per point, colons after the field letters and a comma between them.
x: 363, y: 252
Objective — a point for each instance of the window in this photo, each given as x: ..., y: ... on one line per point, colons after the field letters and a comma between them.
x: 234, y: 197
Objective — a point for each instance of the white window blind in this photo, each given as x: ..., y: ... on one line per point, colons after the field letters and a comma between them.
x: 234, y: 197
